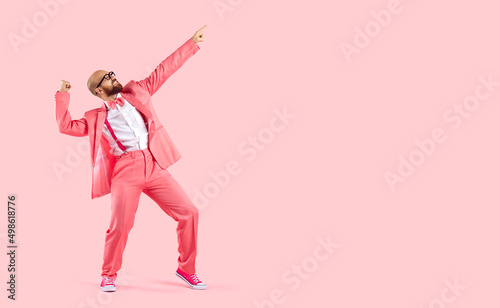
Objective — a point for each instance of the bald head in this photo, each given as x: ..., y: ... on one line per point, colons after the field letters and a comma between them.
x: 94, y: 80
x: 109, y: 87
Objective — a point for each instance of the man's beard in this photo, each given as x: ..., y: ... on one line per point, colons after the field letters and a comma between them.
x: 116, y: 89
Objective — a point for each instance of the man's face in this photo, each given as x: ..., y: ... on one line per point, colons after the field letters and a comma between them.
x: 109, y: 84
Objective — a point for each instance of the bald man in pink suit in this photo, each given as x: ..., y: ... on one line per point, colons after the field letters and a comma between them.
x: 130, y: 152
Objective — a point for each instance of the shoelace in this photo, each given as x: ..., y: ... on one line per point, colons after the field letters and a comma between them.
x: 108, y: 280
x: 195, y: 278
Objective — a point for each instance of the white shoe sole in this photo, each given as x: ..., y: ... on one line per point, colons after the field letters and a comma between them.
x: 108, y: 289
x: 200, y: 286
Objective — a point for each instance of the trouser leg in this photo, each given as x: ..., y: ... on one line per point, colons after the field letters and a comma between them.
x: 173, y: 200
x: 125, y: 192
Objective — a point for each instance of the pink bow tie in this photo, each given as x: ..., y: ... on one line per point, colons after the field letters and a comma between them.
x: 119, y: 101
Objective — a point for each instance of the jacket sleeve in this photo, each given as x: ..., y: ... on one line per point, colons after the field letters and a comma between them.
x: 66, y: 125
x: 169, y: 66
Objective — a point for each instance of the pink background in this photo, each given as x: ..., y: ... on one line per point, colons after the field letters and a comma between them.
x: 321, y: 176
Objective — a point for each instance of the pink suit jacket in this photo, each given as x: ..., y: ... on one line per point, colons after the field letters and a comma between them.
x: 138, y: 94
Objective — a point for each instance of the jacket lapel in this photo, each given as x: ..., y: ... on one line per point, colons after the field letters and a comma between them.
x: 101, y: 115
x: 137, y: 104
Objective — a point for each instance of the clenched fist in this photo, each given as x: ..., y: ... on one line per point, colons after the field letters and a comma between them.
x: 65, y: 86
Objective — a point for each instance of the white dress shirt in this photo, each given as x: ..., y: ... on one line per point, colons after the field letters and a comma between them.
x: 128, y: 126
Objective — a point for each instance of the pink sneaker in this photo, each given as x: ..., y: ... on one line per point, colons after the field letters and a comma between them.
x: 191, y: 279
x: 108, y: 284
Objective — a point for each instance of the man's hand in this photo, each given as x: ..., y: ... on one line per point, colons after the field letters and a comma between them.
x: 65, y: 86
x: 198, y: 36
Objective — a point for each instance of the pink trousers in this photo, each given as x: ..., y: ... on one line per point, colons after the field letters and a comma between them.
x: 134, y: 173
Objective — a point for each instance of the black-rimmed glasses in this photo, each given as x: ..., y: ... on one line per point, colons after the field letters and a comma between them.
x: 107, y: 77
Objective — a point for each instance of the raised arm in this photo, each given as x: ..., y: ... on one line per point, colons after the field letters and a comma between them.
x: 66, y: 125
x: 172, y: 63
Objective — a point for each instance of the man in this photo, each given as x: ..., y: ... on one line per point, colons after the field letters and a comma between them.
x: 130, y: 152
